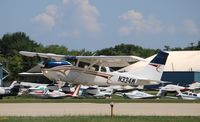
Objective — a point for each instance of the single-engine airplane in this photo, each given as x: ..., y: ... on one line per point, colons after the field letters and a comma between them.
x: 44, y: 92
x: 94, y: 70
x: 188, y: 95
x: 138, y: 95
x: 12, y: 90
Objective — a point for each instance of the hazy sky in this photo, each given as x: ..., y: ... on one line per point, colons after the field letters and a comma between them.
x: 97, y: 24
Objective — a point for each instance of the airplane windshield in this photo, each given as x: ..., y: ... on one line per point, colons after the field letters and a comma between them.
x: 86, y: 65
x: 56, y: 63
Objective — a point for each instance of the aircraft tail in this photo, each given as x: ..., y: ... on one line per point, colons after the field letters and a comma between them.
x: 14, y: 88
x: 13, y: 84
x: 154, y: 70
x: 76, y: 91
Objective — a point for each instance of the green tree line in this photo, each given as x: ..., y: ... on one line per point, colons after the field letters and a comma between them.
x: 12, y: 43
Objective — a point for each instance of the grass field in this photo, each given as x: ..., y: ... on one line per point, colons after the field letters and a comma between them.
x: 115, y: 99
x: 102, y: 119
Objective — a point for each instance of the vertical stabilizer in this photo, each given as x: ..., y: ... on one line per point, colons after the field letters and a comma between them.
x: 13, y: 84
x: 154, y: 69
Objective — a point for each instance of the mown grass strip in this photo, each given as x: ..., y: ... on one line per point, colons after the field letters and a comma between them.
x: 116, y: 100
x: 103, y: 119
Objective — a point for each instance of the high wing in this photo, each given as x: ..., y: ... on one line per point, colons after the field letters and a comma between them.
x: 109, y: 61
x: 43, y: 55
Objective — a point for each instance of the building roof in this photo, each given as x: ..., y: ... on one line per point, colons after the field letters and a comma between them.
x: 177, y: 61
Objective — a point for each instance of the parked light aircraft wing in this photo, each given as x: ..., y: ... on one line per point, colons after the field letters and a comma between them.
x: 107, y: 61
x: 31, y: 74
x: 110, y: 61
x: 43, y: 55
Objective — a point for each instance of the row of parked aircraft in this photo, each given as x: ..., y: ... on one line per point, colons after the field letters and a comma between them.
x: 95, y: 71
x: 82, y: 91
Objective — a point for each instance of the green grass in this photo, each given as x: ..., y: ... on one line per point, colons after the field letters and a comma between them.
x: 102, y: 119
x: 115, y: 99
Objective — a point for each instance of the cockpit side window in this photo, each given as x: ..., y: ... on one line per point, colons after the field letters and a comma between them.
x: 87, y: 66
x: 111, y: 70
x: 103, y: 69
x: 96, y: 67
x: 83, y: 64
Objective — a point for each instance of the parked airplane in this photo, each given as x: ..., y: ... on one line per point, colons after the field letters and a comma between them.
x: 44, y: 92
x: 170, y: 88
x: 94, y: 70
x: 173, y: 88
x: 137, y: 95
x: 124, y: 89
x: 194, y: 86
x: 12, y: 90
x: 96, y: 92
x: 188, y: 95
x: 31, y: 85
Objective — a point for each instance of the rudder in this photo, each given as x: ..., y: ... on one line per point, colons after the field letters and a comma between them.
x: 154, y: 69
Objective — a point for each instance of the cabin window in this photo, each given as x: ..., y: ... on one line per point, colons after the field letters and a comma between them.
x: 103, y: 69
x: 195, y: 95
x: 96, y: 67
x: 83, y: 64
x: 111, y: 70
x: 87, y: 66
x: 102, y: 90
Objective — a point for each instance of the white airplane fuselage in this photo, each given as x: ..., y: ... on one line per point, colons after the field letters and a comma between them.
x: 189, y: 96
x: 77, y: 75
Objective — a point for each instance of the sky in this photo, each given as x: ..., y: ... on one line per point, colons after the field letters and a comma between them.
x: 98, y: 24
